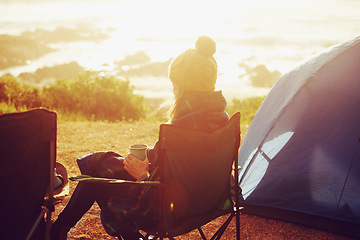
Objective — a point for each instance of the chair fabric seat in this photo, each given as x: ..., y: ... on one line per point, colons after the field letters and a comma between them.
x: 195, y: 170
x: 190, y: 224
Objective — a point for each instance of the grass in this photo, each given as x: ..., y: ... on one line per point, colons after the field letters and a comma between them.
x: 76, y: 139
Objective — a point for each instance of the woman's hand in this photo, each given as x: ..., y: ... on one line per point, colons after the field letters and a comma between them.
x: 137, y: 168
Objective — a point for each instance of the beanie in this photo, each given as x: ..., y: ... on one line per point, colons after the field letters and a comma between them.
x: 196, y: 69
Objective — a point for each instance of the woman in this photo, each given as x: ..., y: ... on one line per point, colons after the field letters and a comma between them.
x: 197, y: 105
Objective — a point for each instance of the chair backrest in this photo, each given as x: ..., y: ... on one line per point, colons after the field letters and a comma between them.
x: 196, y: 168
x: 27, y: 158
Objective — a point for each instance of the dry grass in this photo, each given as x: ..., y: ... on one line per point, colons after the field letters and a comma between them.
x: 76, y: 139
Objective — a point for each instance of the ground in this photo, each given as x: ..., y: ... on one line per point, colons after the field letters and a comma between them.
x: 76, y: 139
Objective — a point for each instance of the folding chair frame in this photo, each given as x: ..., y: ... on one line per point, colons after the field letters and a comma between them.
x: 235, y: 212
x: 46, y: 130
x: 49, y: 202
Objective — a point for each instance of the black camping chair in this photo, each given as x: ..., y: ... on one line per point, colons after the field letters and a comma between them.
x: 28, y: 155
x: 195, y: 175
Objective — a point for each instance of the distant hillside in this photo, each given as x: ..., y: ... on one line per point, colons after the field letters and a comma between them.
x: 66, y: 70
x: 19, y: 50
x: 30, y: 45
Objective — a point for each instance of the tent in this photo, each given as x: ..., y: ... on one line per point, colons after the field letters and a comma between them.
x: 300, y: 156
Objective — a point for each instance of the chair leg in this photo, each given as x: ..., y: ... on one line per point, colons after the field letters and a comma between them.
x: 36, y: 224
x: 48, y: 223
x: 237, y: 217
x: 202, y: 233
x: 222, y: 229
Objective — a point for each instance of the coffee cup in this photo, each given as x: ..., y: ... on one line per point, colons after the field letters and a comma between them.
x: 138, y: 150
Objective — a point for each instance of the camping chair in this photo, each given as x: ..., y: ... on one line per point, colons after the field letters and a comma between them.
x: 28, y: 154
x: 195, y: 171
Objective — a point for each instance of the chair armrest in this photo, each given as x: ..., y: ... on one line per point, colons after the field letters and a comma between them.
x: 87, y: 178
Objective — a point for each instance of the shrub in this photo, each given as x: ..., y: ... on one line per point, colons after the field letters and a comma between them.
x: 97, y: 97
x: 247, y: 107
x: 17, y: 94
x: 10, y: 108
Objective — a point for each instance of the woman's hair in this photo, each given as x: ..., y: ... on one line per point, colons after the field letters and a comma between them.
x: 173, y: 103
x: 179, y: 94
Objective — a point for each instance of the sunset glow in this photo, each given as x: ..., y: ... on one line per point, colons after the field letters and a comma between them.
x: 276, y: 34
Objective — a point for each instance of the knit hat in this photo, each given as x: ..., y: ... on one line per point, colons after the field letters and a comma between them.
x: 196, y: 69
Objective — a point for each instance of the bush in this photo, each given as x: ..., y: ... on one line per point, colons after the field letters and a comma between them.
x: 247, y: 107
x: 10, y: 108
x: 17, y: 94
x: 91, y: 96
x: 97, y: 97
